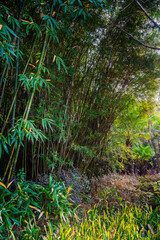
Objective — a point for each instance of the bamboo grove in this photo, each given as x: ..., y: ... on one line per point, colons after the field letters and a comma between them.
x: 68, y: 69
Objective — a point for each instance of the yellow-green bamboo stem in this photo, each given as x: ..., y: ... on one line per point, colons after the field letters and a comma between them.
x: 6, y: 170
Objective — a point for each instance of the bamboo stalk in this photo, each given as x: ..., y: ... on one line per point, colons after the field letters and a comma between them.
x: 16, y: 81
x: 3, y: 73
x: 11, y: 107
x: 27, y: 109
x: 4, y: 84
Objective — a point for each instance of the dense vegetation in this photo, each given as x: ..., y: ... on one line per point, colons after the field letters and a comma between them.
x: 78, y: 93
x: 114, y: 211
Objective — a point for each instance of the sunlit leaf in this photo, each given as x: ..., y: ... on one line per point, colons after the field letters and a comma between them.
x: 2, y: 184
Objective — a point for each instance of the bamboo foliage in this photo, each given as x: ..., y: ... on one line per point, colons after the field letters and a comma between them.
x: 32, y: 81
x: 71, y: 80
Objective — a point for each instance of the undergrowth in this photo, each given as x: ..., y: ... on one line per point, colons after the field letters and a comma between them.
x: 26, y: 209
x: 127, y: 223
x: 32, y: 211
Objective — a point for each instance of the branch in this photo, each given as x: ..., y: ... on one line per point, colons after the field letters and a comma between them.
x: 145, y: 45
x: 147, y: 14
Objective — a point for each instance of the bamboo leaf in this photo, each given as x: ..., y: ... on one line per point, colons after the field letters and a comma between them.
x: 0, y: 150
x: 9, y: 184
x: 35, y: 208
x: 5, y: 146
x: 2, y: 184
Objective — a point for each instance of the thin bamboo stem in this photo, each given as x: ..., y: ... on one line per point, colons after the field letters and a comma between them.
x: 4, y: 84
x: 11, y: 107
x: 4, y: 70
x: 16, y: 81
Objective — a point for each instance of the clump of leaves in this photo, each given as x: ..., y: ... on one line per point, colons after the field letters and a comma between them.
x: 143, y: 153
x: 30, y: 200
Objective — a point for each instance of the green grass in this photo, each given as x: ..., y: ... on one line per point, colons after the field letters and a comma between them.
x: 130, y: 222
x: 126, y: 224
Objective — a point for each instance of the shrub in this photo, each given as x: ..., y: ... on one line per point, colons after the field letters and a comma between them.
x: 30, y: 201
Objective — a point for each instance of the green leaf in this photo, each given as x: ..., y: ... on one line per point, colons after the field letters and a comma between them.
x: 5, y: 146
x: 0, y: 150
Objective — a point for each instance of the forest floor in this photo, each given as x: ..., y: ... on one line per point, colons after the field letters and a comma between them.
x: 117, y: 190
x: 116, y: 207
x: 120, y: 207
x: 124, y: 188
